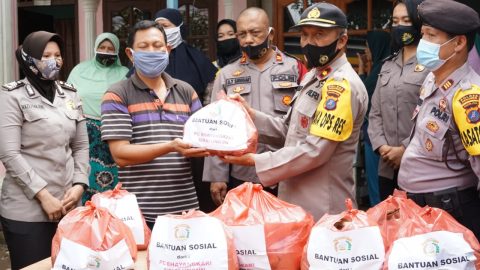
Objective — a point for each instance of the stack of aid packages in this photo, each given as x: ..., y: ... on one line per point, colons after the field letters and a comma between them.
x: 104, y: 234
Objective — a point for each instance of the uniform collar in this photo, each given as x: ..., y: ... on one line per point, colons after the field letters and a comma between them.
x: 33, y: 93
x: 456, y: 78
x: 277, y: 58
x: 324, y: 72
x: 398, y: 59
x: 138, y: 83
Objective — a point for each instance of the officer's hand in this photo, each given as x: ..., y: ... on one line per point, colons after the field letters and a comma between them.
x: 186, y: 149
x: 394, y: 156
x: 72, y: 197
x: 384, y: 149
x: 245, y: 160
x: 239, y: 98
x: 218, y: 190
x: 51, y: 206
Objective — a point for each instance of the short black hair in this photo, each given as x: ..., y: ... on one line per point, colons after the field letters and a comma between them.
x: 143, y: 25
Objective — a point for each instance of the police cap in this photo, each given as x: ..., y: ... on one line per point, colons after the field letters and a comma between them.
x: 322, y: 15
x: 449, y: 16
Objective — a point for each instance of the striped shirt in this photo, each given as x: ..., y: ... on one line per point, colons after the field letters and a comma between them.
x: 133, y: 112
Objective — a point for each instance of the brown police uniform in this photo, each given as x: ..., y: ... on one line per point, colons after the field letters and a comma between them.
x: 269, y: 90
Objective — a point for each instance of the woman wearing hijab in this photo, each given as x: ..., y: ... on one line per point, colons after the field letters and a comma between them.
x: 378, y: 48
x: 44, y: 149
x: 396, y: 95
x: 228, y: 47
x: 92, y: 78
x: 186, y: 63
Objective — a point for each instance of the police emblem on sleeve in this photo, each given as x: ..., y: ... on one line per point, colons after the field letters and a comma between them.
x: 466, y: 112
x: 333, y: 118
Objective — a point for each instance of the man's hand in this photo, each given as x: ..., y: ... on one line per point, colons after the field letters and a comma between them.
x: 186, y: 149
x: 245, y: 160
x: 72, y: 197
x: 239, y: 98
x: 218, y: 190
x: 384, y: 149
x: 394, y: 156
x: 51, y: 206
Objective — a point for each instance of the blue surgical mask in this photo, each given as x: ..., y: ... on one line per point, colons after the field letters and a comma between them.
x: 150, y: 64
x: 174, y: 36
x: 428, y: 54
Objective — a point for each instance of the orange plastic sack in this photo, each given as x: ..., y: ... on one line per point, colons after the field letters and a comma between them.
x: 264, y: 225
x: 391, y: 213
x: 349, y: 240
x: 123, y: 205
x: 433, y: 240
x: 224, y: 127
x: 91, y: 237
x: 191, y: 241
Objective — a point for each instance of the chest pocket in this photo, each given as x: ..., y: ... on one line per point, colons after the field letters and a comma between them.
x: 432, y: 137
x: 283, y: 93
x: 75, y: 113
x: 303, y: 112
x: 384, y: 77
x: 410, y: 87
x: 32, y: 115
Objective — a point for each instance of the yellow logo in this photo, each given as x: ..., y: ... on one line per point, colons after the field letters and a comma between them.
x: 323, y: 59
x: 314, y: 13
x: 238, y: 72
x: 432, y: 126
x: 428, y: 145
x: 406, y: 37
x: 70, y: 104
x: 238, y: 89
x: 285, y: 84
x: 287, y: 100
x: 419, y: 68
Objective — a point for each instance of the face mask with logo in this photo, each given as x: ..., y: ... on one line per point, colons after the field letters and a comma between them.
x: 319, y: 56
x: 106, y: 59
x: 404, y: 35
x: 49, y: 68
x: 428, y: 54
x: 256, y: 52
x: 150, y: 64
x: 228, y: 46
x: 174, y: 36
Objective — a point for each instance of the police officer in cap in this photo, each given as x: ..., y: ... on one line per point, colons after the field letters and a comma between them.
x: 440, y: 166
x: 320, y: 132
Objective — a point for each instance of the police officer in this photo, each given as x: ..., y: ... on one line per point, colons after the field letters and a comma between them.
x: 266, y: 78
x: 44, y: 146
x: 440, y: 166
x: 321, y: 130
x: 396, y: 95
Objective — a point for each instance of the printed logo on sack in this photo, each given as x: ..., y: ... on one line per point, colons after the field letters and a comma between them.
x: 182, y: 232
x: 431, y: 247
x: 93, y: 262
x: 342, y: 244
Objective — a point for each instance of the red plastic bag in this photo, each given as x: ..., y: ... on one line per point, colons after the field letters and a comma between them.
x: 262, y: 222
x: 349, y: 240
x: 433, y: 240
x: 92, y: 237
x: 123, y: 205
x: 224, y: 127
x: 191, y: 241
x: 391, y: 213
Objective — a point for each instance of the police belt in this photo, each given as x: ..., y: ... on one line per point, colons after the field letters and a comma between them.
x: 449, y: 200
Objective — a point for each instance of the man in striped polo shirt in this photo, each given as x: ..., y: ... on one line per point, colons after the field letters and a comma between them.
x: 143, y: 119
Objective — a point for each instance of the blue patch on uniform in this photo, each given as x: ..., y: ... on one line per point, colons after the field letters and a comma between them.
x: 331, y: 104
x: 473, y: 116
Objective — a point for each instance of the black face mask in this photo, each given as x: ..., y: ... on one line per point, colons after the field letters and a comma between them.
x: 404, y: 35
x: 320, y: 56
x: 228, y: 46
x: 106, y: 59
x: 256, y: 52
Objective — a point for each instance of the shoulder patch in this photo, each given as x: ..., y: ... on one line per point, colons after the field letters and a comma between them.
x: 67, y: 86
x: 13, y: 85
x: 466, y: 112
x: 334, y: 119
x: 390, y: 57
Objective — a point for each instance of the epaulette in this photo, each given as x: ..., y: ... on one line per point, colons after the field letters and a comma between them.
x: 292, y: 56
x: 67, y: 86
x: 391, y: 56
x: 13, y: 85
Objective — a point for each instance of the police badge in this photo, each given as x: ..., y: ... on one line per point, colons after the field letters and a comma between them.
x: 333, y: 93
x: 470, y: 103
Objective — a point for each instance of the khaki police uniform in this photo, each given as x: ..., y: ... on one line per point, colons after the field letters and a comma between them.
x: 44, y: 145
x: 320, y: 135
x: 269, y: 90
x: 393, y: 102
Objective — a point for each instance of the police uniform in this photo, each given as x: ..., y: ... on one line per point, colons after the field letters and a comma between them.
x: 44, y: 145
x: 393, y: 102
x: 320, y: 132
x: 440, y: 166
x: 269, y: 90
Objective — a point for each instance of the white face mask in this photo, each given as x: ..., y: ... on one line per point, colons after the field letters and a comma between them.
x: 174, y: 37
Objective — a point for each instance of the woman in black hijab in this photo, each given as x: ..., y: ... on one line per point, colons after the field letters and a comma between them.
x: 44, y: 147
x: 228, y: 47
